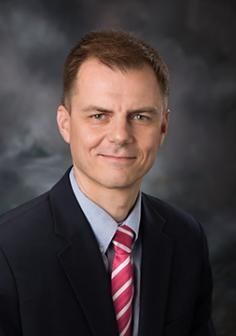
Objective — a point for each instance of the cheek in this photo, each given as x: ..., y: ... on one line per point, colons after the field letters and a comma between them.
x: 83, y: 139
x: 150, y: 143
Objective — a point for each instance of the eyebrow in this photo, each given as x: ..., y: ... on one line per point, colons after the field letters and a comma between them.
x: 144, y: 109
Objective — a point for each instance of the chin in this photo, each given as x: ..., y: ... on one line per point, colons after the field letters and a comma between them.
x: 120, y: 184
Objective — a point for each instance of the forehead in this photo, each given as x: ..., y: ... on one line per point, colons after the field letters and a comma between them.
x: 93, y: 67
x: 97, y: 80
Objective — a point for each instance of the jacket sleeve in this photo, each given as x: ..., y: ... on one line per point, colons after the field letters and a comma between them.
x: 9, y: 307
x: 202, y: 324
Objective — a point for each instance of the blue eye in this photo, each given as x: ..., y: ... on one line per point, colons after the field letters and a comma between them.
x: 139, y: 116
x: 98, y: 116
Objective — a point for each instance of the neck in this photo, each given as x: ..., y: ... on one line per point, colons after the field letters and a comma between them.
x: 117, y: 202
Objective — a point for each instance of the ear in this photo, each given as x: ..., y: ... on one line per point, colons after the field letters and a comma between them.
x: 164, y: 125
x: 64, y: 122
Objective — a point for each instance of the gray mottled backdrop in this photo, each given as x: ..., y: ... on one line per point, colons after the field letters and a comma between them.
x: 196, y: 168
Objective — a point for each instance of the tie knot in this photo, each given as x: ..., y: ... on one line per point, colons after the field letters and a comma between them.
x: 123, y: 239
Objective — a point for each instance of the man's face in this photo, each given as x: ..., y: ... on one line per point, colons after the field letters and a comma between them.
x: 114, y: 125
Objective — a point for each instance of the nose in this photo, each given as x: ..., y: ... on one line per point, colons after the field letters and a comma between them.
x: 120, y: 132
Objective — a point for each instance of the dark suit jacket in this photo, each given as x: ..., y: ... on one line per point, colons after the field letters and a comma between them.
x: 53, y: 280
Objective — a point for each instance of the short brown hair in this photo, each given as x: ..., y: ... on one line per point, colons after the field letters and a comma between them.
x: 116, y: 49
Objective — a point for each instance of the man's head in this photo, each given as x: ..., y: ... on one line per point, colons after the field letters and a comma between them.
x: 114, y: 114
x: 117, y: 50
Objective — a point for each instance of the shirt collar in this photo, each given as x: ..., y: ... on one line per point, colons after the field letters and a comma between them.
x: 102, y: 224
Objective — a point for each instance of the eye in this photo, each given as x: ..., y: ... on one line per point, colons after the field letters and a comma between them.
x: 98, y: 116
x: 140, y: 116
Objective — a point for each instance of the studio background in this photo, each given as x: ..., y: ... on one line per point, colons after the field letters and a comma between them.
x: 196, y: 168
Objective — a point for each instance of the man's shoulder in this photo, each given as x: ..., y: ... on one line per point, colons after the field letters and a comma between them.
x: 33, y: 211
x: 29, y: 208
x: 178, y: 222
x: 166, y: 209
x: 34, y: 219
x: 25, y: 220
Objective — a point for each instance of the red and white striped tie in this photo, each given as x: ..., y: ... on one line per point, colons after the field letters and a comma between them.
x: 122, y: 277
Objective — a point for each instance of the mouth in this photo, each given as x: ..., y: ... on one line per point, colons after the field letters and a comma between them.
x: 118, y: 158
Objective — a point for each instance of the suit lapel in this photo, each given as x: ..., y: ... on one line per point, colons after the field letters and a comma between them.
x: 82, y: 261
x: 83, y: 265
x: 157, y: 250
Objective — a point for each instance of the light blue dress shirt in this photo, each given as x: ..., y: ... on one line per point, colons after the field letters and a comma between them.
x: 104, y: 228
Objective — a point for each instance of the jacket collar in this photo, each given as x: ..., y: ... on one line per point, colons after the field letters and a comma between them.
x: 157, y: 252
x: 82, y: 261
x: 84, y: 267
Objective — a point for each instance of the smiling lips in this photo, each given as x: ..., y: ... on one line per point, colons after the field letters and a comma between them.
x: 118, y: 157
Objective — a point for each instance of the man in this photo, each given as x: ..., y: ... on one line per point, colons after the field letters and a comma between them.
x: 94, y: 255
